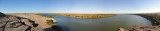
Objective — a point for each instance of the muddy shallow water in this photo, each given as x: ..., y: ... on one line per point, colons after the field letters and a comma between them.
x: 101, y: 24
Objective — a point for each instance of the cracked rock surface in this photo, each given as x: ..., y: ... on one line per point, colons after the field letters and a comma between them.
x: 14, y: 23
x: 25, y: 22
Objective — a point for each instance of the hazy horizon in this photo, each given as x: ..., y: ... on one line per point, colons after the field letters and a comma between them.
x: 80, y: 6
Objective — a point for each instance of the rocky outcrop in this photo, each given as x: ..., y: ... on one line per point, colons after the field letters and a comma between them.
x: 141, y: 28
x: 14, y: 23
x: 25, y: 22
x: 15, y: 26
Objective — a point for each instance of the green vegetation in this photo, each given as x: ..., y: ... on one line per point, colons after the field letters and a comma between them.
x: 154, y: 18
x: 44, y: 15
x: 50, y: 22
x: 89, y: 16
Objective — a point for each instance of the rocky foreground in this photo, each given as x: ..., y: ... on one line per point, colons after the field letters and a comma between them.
x: 141, y: 28
x: 13, y: 23
x: 25, y: 22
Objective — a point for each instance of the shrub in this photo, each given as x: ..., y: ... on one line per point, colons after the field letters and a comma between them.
x: 50, y: 22
x: 49, y: 16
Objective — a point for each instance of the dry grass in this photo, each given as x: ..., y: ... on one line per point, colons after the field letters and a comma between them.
x: 89, y: 16
x: 44, y: 15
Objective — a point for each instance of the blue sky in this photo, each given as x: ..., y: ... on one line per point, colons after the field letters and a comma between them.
x: 79, y: 6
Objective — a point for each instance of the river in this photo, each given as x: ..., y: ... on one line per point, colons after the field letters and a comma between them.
x: 100, y: 24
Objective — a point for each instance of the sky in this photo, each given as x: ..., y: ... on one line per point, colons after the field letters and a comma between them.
x: 79, y: 6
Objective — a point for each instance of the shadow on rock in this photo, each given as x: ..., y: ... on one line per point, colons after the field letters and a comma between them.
x: 15, y: 23
x: 28, y: 21
x: 54, y: 28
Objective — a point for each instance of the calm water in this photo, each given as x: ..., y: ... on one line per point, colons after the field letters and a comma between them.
x: 101, y: 24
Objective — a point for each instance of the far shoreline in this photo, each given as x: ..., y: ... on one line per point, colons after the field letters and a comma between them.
x: 150, y: 18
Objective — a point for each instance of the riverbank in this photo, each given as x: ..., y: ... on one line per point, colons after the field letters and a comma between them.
x: 89, y: 16
x: 154, y: 18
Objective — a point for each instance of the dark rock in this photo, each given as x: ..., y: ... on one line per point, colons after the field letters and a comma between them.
x: 29, y: 22
x: 39, y: 28
x: 2, y: 15
x: 15, y: 26
x: 26, y: 21
x: 54, y: 28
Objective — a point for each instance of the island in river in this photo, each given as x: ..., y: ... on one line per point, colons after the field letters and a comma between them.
x: 89, y: 16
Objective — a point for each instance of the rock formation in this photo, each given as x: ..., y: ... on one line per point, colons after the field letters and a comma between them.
x: 141, y: 28
x: 29, y: 23
x: 14, y: 23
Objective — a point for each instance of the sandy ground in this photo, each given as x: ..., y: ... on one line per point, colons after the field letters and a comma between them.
x: 41, y: 20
